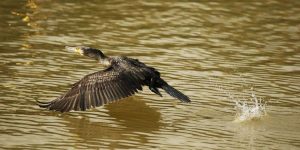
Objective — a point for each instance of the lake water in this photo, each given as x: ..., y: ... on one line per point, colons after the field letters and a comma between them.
x: 224, y: 55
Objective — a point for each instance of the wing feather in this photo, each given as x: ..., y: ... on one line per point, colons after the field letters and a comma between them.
x: 99, y: 88
x: 76, y: 102
x: 92, y: 98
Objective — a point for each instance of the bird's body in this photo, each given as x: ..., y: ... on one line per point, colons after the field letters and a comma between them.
x: 122, y: 78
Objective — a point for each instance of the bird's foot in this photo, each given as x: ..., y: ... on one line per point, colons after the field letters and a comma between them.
x: 155, y: 90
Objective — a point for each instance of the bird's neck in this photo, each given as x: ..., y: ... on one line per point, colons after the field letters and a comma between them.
x: 99, y: 56
x: 104, y: 60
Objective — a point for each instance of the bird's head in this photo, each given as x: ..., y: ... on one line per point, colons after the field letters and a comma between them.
x: 87, y: 51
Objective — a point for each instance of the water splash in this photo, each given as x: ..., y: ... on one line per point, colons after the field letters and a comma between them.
x: 253, y: 110
x: 247, y: 105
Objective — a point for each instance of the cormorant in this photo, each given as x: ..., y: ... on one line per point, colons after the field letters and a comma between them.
x: 122, y: 78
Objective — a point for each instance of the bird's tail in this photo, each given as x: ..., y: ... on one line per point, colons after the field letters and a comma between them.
x: 175, y: 93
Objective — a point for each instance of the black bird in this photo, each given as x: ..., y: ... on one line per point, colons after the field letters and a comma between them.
x: 122, y: 78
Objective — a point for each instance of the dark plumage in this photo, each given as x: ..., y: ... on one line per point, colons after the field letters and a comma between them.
x: 122, y: 78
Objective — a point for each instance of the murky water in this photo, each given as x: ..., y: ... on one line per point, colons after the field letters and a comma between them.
x: 218, y: 53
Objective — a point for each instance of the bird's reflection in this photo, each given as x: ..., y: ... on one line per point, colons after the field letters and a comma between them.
x: 135, y: 114
x: 123, y: 119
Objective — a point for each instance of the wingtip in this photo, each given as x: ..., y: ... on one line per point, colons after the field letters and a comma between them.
x: 43, y: 104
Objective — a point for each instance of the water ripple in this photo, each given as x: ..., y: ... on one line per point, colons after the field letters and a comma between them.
x: 212, y: 51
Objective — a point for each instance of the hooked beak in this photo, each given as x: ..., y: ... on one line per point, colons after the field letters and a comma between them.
x: 74, y: 49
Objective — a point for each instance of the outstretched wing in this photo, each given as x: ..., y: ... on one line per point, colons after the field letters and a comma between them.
x: 99, y: 88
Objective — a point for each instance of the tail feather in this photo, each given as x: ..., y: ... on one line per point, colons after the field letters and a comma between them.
x: 175, y: 93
